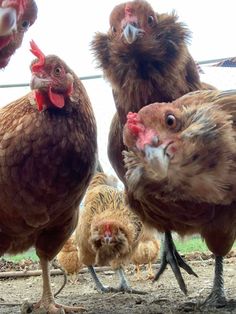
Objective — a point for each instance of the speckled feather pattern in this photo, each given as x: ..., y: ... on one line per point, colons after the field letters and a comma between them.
x: 198, y: 194
x: 105, y: 203
x: 156, y: 67
x: 46, y: 162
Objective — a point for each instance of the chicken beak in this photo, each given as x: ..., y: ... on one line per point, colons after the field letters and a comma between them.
x: 107, y: 239
x: 131, y: 33
x: 8, y: 18
x: 157, y: 159
x: 39, y: 83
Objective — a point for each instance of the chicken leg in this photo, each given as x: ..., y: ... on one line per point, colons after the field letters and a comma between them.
x: 172, y: 257
x: 123, y: 287
x: 100, y: 287
x: 150, y: 271
x: 47, y: 301
x: 217, y: 296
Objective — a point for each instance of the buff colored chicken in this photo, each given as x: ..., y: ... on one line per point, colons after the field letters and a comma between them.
x: 107, y: 231
x: 181, y: 170
x: 147, y: 251
x: 69, y: 259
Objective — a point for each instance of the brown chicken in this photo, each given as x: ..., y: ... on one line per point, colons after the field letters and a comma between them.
x: 69, y: 259
x: 48, y: 155
x: 147, y: 251
x: 107, y: 231
x: 16, y: 16
x: 181, y: 170
x: 145, y: 57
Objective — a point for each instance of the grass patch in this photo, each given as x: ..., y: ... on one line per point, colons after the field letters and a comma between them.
x: 193, y: 244
x: 185, y: 246
x: 190, y: 245
x: 19, y: 257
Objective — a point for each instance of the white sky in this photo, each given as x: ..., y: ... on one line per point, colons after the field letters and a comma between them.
x: 66, y: 28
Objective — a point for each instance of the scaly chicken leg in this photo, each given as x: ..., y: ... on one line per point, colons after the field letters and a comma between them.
x: 217, y: 296
x: 150, y: 271
x: 47, y: 301
x: 172, y: 257
x: 123, y: 287
x: 100, y: 287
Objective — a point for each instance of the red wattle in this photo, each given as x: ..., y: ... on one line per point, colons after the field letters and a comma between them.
x: 56, y: 99
x: 39, y: 98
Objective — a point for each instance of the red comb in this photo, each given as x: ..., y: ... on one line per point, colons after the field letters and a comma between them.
x: 18, y: 5
x: 107, y: 228
x: 128, y: 10
x: 38, y: 53
x: 22, y: 6
x: 133, y: 123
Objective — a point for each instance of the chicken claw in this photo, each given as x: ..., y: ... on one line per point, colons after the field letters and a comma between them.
x: 124, y: 285
x: 51, y: 309
x: 172, y: 257
x: 217, y: 296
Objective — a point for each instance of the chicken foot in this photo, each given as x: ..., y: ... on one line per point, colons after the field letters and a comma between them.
x: 172, y: 257
x: 124, y: 286
x: 217, y: 296
x: 99, y: 286
x: 47, y: 301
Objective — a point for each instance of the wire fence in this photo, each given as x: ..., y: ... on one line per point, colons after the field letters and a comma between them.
x: 99, y: 76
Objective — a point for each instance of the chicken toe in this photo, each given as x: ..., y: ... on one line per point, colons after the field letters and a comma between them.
x: 124, y: 285
x: 47, y: 301
x: 99, y: 286
x: 171, y: 256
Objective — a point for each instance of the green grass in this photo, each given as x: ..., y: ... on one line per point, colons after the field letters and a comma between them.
x: 192, y: 245
x: 187, y: 245
x: 19, y: 257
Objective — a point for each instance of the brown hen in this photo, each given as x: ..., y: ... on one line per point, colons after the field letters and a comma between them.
x: 16, y: 16
x: 69, y: 259
x: 181, y: 170
x: 147, y: 250
x: 47, y: 158
x: 107, y: 231
x: 144, y: 56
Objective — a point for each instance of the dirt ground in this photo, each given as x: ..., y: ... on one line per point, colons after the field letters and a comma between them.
x: 163, y: 296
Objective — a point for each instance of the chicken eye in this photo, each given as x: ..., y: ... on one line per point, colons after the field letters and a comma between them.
x: 113, y: 29
x: 150, y: 20
x: 58, y: 71
x: 171, y: 121
x: 25, y: 24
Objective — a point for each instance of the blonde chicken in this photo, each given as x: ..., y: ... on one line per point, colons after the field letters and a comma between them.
x: 147, y: 251
x: 107, y: 231
x: 69, y: 259
x: 181, y: 170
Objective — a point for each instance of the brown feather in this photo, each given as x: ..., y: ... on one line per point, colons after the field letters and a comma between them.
x: 104, y: 206
x: 25, y: 17
x: 148, y: 248
x: 197, y: 193
x: 46, y: 162
x: 69, y: 258
x: 156, y: 67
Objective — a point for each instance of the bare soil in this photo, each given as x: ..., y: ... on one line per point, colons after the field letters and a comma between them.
x: 163, y: 296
